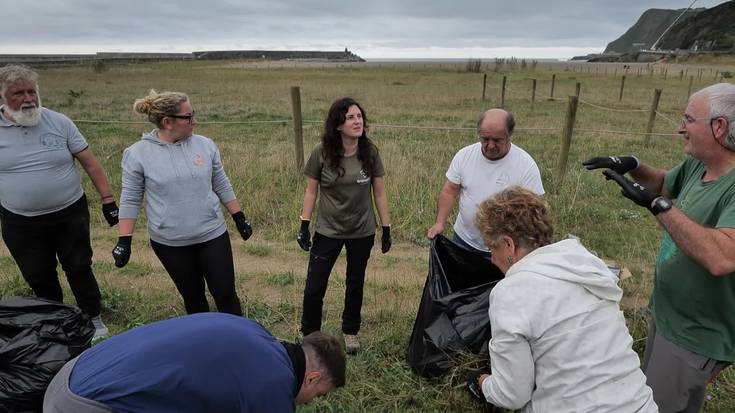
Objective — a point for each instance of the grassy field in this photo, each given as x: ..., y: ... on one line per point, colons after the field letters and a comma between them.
x: 436, y: 109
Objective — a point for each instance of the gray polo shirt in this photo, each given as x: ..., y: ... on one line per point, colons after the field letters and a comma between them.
x: 37, y: 172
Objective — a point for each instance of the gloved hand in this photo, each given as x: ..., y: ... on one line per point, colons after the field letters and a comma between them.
x: 619, y: 164
x: 473, y: 385
x: 110, y: 212
x: 121, y: 252
x: 303, y: 237
x: 632, y: 190
x: 242, y: 224
x: 385, y: 240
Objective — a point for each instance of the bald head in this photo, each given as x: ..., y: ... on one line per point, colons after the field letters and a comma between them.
x: 494, y: 129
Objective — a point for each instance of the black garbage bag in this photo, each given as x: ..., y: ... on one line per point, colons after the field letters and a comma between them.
x: 453, y: 314
x: 37, y: 337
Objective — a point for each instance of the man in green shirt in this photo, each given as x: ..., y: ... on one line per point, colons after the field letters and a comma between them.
x: 692, y: 329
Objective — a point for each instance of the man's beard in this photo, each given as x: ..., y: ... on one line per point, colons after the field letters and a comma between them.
x: 30, y: 116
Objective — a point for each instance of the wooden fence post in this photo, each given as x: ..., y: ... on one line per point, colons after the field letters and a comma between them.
x: 577, y: 89
x: 553, y: 81
x: 502, y: 93
x: 652, y: 117
x: 566, y: 140
x: 533, y: 92
x: 484, y: 85
x: 298, y: 128
x: 622, y: 86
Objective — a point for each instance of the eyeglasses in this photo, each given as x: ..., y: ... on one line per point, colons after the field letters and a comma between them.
x: 688, y: 119
x: 187, y: 117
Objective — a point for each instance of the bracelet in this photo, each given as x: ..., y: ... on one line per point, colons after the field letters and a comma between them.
x: 304, y: 219
x: 107, y: 197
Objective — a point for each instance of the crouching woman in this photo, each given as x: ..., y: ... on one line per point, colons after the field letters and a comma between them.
x: 559, y: 341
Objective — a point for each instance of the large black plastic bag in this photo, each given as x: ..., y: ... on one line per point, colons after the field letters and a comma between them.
x: 37, y: 337
x: 453, y: 314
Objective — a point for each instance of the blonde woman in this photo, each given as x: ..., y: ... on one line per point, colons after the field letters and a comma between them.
x: 183, y: 180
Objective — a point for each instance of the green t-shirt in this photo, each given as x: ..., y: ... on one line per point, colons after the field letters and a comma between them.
x: 345, y: 202
x: 691, y: 307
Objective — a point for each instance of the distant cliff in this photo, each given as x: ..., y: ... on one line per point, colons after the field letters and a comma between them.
x: 647, y: 30
x: 709, y: 30
x: 696, y: 31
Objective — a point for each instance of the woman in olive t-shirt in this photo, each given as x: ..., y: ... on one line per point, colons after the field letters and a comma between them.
x: 347, y: 169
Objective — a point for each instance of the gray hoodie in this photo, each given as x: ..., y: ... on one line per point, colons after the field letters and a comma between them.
x: 559, y: 340
x: 183, y: 182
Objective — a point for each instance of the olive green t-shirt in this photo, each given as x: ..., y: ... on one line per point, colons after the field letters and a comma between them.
x: 345, y: 202
x: 691, y: 307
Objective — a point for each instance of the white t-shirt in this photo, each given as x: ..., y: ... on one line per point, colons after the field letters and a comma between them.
x: 480, y: 178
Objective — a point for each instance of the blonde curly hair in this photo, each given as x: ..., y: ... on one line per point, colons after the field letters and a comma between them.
x: 159, y: 105
x: 518, y: 213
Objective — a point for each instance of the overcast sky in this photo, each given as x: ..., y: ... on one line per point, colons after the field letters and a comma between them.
x: 370, y: 28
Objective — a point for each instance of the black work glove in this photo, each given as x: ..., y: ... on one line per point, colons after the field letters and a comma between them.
x: 110, y: 212
x: 303, y: 237
x: 242, y: 224
x: 632, y: 190
x: 121, y: 252
x: 385, y: 240
x: 619, y: 164
x: 473, y: 385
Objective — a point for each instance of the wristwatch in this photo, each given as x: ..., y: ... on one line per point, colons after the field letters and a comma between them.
x: 661, y: 204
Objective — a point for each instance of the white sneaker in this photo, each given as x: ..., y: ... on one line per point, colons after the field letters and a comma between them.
x: 352, y: 344
x: 100, y: 329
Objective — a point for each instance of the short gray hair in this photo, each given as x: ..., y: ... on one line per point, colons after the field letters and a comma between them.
x: 14, y: 73
x: 721, y: 99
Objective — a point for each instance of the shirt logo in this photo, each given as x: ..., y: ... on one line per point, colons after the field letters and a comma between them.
x: 52, y: 141
x: 364, y: 177
x: 198, y: 160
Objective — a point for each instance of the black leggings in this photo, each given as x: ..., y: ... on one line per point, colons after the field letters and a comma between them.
x: 324, y: 253
x: 189, y: 266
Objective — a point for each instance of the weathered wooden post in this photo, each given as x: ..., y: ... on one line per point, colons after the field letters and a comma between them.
x: 652, y: 117
x: 484, y: 85
x: 577, y: 89
x: 566, y: 140
x: 622, y: 86
x: 502, y: 93
x: 298, y: 127
x: 533, y: 92
x: 553, y: 81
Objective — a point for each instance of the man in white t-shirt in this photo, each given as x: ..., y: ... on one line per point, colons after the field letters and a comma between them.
x: 481, y: 170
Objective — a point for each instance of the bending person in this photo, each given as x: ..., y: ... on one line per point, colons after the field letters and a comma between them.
x: 183, y: 180
x: 346, y: 167
x: 197, y: 363
x: 559, y: 341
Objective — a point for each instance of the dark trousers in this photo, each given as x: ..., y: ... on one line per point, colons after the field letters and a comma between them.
x: 35, y: 243
x: 324, y: 253
x: 677, y: 376
x: 191, y: 265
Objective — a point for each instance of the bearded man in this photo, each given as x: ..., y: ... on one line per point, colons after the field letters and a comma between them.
x: 43, y: 209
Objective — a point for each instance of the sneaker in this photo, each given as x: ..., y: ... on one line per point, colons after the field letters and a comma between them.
x: 100, y: 329
x: 352, y: 344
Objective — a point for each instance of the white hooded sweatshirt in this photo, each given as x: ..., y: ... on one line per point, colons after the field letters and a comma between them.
x: 559, y: 340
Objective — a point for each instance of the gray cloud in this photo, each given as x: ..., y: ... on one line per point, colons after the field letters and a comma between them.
x: 187, y: 25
